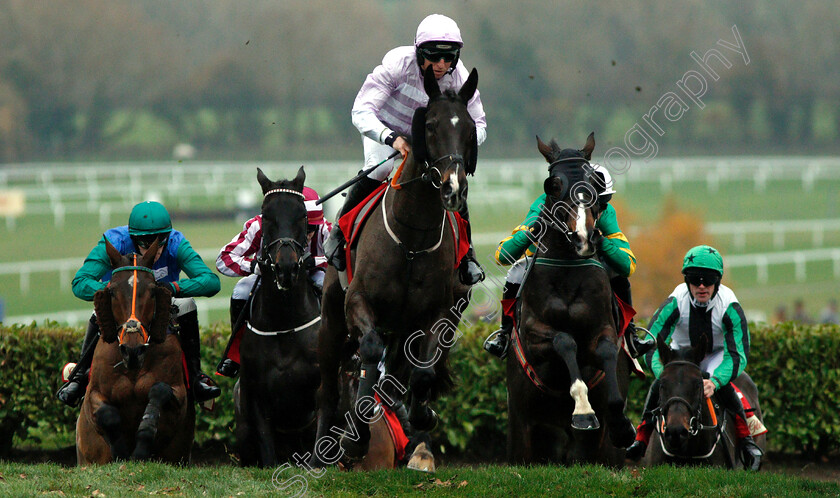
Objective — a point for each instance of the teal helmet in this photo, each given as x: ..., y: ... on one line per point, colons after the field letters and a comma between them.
x: 703, y: 258
x: 149, y: 218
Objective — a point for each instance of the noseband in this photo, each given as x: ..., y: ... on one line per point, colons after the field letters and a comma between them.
x: 265, y: 257
x: 133, y: 323
x: 552, y: 223
x: 430, y: 171
x: 695, y: 423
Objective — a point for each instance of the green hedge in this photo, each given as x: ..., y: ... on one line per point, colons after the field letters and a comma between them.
x: 796, y: 367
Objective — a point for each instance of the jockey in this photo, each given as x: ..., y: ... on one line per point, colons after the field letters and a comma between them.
x: 239, y: 259
x: 148, y: 221
x: 385, y: 106
x: 702, y: 306
x: 614, y: 251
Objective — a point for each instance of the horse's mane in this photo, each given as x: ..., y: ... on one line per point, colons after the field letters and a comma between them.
x: 448, y: 95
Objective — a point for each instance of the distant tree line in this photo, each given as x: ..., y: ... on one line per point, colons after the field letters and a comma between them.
x: 261, y: 79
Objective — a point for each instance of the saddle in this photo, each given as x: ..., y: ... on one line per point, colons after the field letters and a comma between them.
x: 351, y: 224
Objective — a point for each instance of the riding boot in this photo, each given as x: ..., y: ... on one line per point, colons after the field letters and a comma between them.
x: 202, y: 387
x: 469, y: 271
x: 750, y: 452
x: 497, y: 342
x: 228, y: 367
x: 645, y: 429
x: 637, y: 347
x: 73, y: 391
x: 334, y: 245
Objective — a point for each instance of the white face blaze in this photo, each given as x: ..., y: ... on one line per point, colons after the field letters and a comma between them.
x: 454, y: 120
x: 579, y: 393
x: 580, y: 223
x: 453, y: 178
x: 131, y: 281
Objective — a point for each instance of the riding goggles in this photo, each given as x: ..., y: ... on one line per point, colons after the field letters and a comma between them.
x: 698, y: 279
x: 146, y: 241
x: 434, y: 54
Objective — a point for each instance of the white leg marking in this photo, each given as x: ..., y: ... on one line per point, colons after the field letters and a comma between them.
x: 579, y: 394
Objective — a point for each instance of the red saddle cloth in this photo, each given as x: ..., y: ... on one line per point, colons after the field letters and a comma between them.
x: 351, y: 226
x: 395, y: 428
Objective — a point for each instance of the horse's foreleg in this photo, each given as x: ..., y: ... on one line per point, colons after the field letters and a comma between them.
x: 160, y: 395
x: 263, y: 432
x: 371, y: 349
x: 621, y: 429
x: 583, y: 416
x: 109, y: 422
x: 331, y: 337
x: 420, y: 414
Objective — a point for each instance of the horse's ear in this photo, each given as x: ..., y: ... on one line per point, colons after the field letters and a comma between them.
x: 468, y: 90
x: 265, y: 183
x: 544, y: 149
x: 104, y: 315
x: 473, y: 160
x: 163, y: 305
x: 113, y: 254
x: 148, y: 259
x: 418, y: 135
x: 299, y: 179
x: 664, y: 351
x: 589, y: 147
x: 430, y: 84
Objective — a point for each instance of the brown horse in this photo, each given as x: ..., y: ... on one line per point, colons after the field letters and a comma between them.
x: 401, y: 303
x: 137, y: 402
x: 691, y: 429
x: 567, y: 383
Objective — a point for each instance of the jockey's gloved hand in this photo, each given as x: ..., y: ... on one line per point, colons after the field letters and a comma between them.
x: 597, y: 237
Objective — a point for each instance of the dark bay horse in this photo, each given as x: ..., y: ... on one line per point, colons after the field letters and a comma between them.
x: 691, y: 429
x: 137, y: 402
x: 275, y: 396
x: 405, y: 299
x: 566, y: 381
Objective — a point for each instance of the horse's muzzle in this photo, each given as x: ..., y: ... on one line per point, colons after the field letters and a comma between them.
x: 453, y: 194
x: 133, y: 355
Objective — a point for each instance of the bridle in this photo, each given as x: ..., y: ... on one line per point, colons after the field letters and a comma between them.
x: 549, y: 217
x: 133, y: 324
x: 695, y: 423
x: 265, y: 257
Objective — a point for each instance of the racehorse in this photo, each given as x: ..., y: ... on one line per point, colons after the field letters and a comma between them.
x: 567, y: 382
x: 405, y: 299
x: 137, y: 403
x: 274, y: 399
x: 691, y: 429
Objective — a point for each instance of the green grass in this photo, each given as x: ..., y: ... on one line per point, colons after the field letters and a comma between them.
x: 134, y: 479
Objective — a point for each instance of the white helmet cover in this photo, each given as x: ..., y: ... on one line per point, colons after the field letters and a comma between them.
x: 437, y: 27
x: 608, y: 181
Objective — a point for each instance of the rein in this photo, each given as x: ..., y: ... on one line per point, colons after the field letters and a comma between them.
x: 265, y: 254
x: 133, y: 317
x: 695, y: 423
x: 568, y: 263
x: 426, y: 176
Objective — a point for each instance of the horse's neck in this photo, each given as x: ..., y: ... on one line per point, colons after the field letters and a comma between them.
x: 414, y: 210
x: 554, y: 244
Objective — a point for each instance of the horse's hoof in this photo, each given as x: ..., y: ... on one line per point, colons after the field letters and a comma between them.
x: 588, y: 422
x: 422, y: 459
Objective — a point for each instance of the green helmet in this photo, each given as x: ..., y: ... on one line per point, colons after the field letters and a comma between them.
x: 149, y: 218
x: 706, y: 257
